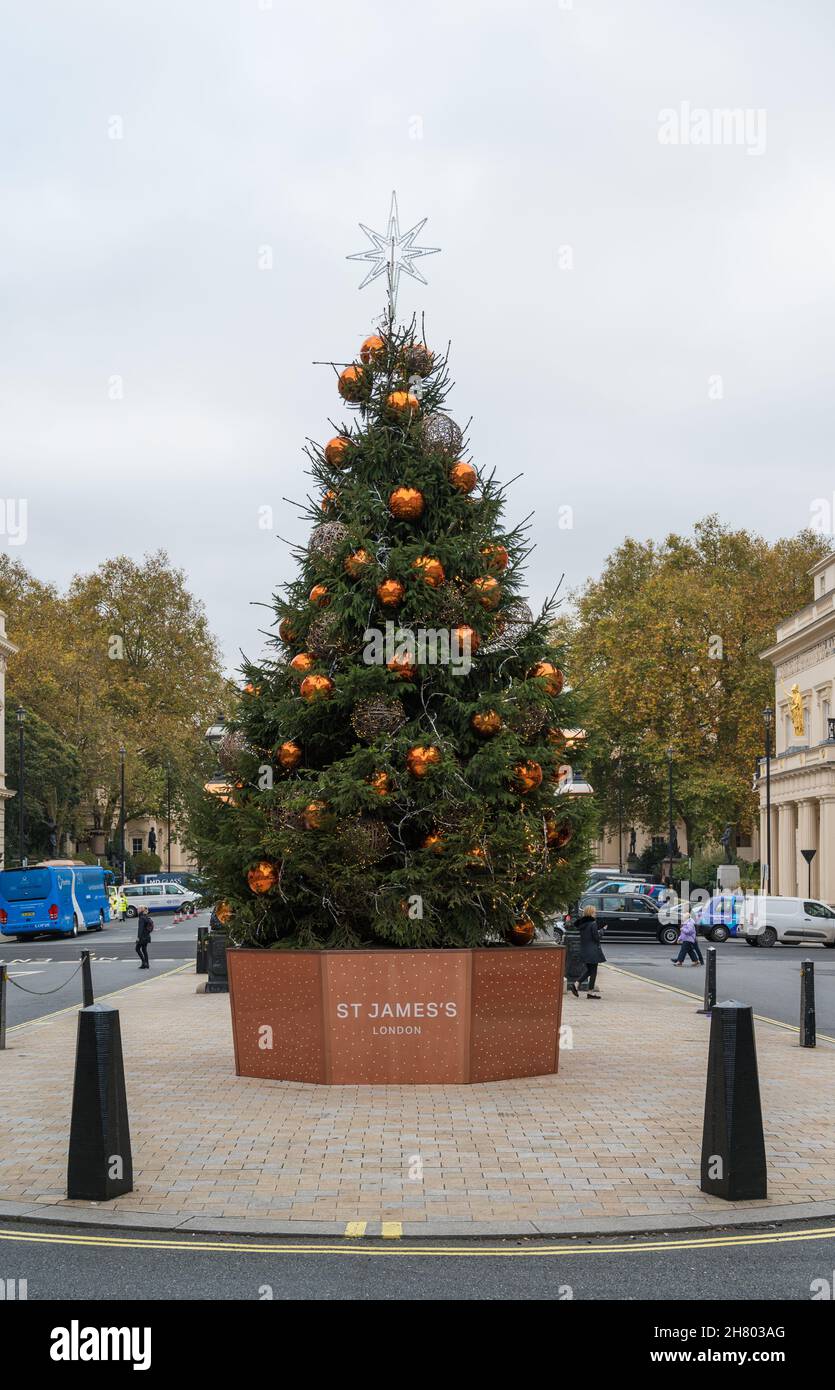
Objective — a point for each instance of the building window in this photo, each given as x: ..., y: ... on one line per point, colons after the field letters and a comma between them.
x: 136, y: 845
x: 743, y: 841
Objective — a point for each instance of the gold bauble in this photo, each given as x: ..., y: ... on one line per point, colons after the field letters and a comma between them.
x: 380, y: 783
x: 466, y: 637
x: 315, y: 687
x: 557, y: 738
x: 262, y: 876
x: 223, y: 913
x: 496, y: 557
x: 352, y: 383
x: 314, y: 814
x: 390, y: 593
x: 373, y: 348
x: 402, y: 667
x: 287, y: 631
x: 406, y: 503
x: 486, y: 723
x: 336, y: 450
x: 463, y: 476
x: 522, y: 932
x: 434, y: 841
x: 419, y: 760
x: 526, y: 776
x: 319, y: 595
x: 550, y: 675
x: 487, y: 591
x: 303, y: 662
x: 329, y: 500
x: 289, y: 755
x: 432, y: 570
x: 355, y: 563
x: 558, y: 834
x: 402, y: 403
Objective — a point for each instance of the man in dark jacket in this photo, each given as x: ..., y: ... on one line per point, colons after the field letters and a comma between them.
x: 143, y: 937
x: 591, y: 952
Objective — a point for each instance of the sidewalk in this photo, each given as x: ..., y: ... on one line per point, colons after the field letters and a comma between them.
x: 611, y: 1143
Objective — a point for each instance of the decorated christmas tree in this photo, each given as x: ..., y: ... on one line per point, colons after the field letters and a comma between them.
x: 397, y: 771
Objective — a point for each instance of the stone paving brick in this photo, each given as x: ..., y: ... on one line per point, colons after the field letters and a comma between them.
x: 616, y: 1134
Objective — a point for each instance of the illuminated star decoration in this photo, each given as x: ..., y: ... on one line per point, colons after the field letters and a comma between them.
x: 392, y: 253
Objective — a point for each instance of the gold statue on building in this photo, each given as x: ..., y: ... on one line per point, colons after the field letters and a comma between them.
x: 796, y: 709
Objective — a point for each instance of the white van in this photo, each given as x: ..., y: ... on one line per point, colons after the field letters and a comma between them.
x: 793, y: 921
x: 158, y: 897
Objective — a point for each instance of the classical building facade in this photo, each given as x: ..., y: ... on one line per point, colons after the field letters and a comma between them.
x: 7, y: 649
x: 803, y: 764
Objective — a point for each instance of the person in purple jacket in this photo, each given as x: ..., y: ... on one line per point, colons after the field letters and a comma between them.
x: 688, y: 943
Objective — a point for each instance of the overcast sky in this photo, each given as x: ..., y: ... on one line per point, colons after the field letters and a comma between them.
x: 640, y: 304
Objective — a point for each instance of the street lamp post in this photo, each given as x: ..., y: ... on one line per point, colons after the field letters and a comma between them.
x: 21, y: 715
x: 122, y: 811
x: 768, y: 715
x: 670, y: 792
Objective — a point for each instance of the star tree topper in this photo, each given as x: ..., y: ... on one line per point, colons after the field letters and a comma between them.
x: 391, y: 253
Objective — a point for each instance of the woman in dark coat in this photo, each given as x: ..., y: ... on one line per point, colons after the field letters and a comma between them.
x: 143, y: 938
x: 591, y: 952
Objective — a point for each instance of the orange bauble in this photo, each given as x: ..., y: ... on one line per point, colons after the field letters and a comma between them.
x: 434, y: 841
x: 319, y: 595
x: 390, y: 593
x: 303, y: 662
x: 522, y: 932
x: 526, y: 776
x: 372, y: 349
x: 314, y: 814
x: 223, y: 913
x: 316, y: 687
x: 466, y: 638
x: 336, y: 451
x: 488, y: 592
x: 432, y: 570
x: 380, y: 783
x: 406, y: 503
x: 420, y: 759
x: 329, y: 500
x: 352, y: 383
x: 355, y: 563
x: 287, y: 631
x: 262, y: 876
x: 402, y: 403
x: 486, y: 723
x: 496, y: 557
x: 463, y: 476
x: 289, y: 755
x: 402, y: 667
x: 550, y: 675
x: 557, y: 738
x: 558, y: 834
x: 477, y: 857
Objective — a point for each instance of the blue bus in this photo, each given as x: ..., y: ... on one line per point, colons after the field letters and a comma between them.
x: 59, y: 899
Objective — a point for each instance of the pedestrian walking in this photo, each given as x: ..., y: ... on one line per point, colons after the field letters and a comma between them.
x: 123, y: 905
x: 591, y: 953
x: 143, y: 937
x: 688, y: 943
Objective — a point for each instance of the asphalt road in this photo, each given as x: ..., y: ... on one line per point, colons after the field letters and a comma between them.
x: 44, y: 974
x: 719, y: 1266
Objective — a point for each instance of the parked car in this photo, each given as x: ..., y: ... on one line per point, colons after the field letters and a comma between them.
x: 596, y: 876
x: 791, y: 921
x: 656, y: 891
x: 721, y: 917
x: 627, y: 914
x: 158, y: 897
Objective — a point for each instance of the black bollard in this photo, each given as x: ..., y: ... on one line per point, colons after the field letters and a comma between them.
x: 88, y: 997
x: 217, y: 981
x: 99, y: 1165
x: 808, y: 1037
x: 733, y: 1145
x: 710, y: 982
x: 202, y: 963
x: 2, y: 1007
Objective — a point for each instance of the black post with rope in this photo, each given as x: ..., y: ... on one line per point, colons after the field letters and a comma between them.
x: 86, y: 980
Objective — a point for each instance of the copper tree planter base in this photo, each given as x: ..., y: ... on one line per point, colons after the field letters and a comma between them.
x: 399, y: 1017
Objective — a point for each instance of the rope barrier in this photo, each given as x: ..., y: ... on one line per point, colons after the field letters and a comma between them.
x: 43, y: 991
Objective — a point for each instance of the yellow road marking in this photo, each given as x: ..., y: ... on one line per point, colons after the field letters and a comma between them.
x: 355, y: 1228
x: 688, y: 994
x: 73, y: 1008
x: 392, y: 1230
x: 706, y: 1242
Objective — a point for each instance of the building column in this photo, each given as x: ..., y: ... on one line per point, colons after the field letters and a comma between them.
x: 787, y: 850
x: 807, y: 838
x: 775, y: 850
x: 763, y: 839
x: 826, y: 851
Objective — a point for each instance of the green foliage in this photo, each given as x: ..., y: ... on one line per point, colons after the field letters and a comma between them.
x: 365, y: 875
x: 145, y: 863
x: 52, y: 769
